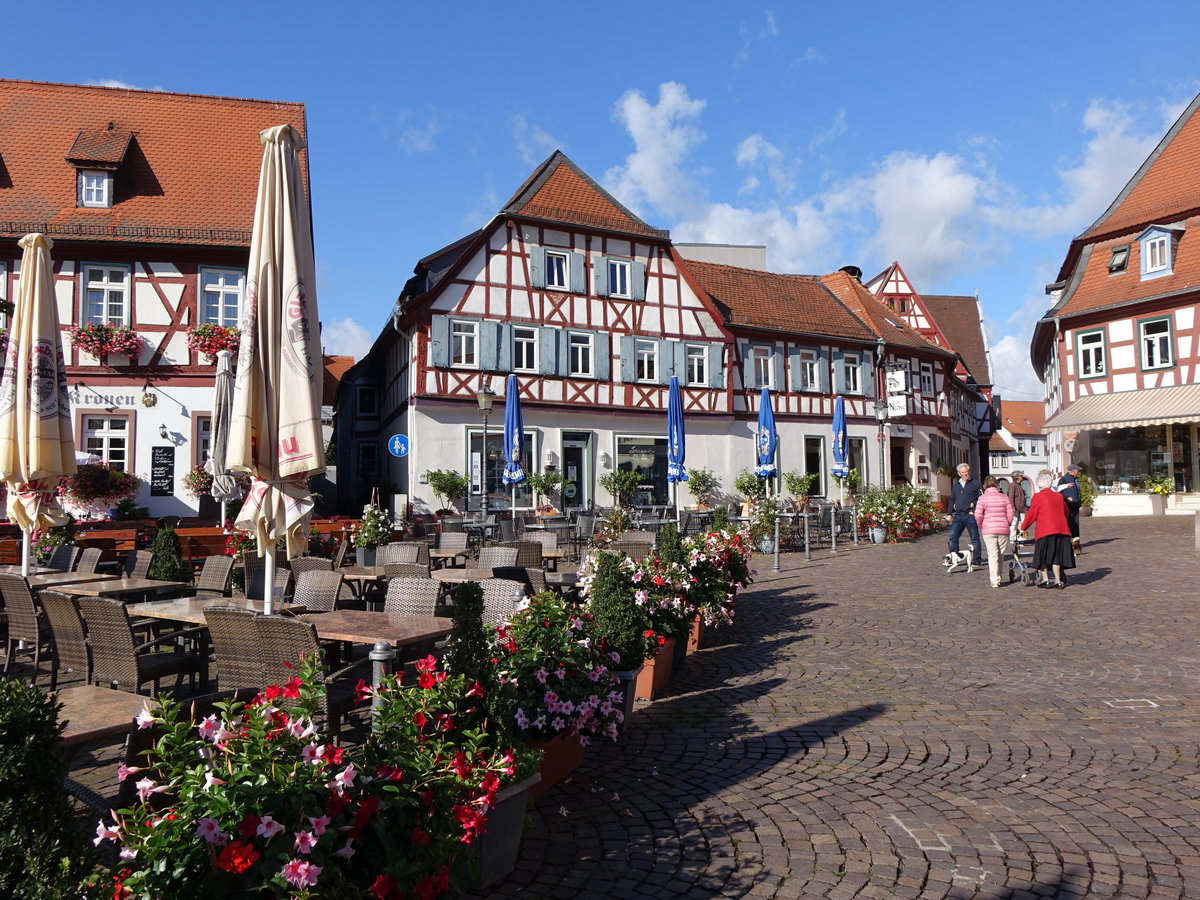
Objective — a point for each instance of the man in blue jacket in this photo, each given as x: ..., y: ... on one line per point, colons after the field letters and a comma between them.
x: 964, y: 493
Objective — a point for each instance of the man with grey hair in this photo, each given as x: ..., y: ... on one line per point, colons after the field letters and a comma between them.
x: 964, y: 493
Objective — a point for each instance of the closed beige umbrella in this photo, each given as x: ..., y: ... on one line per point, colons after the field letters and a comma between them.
x: 224, y: 487
x: 275, y: 419
x: 37, y: 446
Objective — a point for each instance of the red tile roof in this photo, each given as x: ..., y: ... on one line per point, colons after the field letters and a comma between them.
x: 882, y: 320
x: 997, y: 444
x: 335, y: 368
x: 560, y: 191
x: 959, y: 320
x: 189, y: 175
x: 1022, y: 416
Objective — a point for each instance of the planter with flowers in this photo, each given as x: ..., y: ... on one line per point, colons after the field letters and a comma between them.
x: 211, y: 339
x: 198, y: 482
x: 97, y: 339
x: 258, y: 804
x: 904, y: 511
x: 96, y: 488
x: 374, y: 529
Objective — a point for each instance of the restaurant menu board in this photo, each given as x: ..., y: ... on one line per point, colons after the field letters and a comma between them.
x: 162, y: 471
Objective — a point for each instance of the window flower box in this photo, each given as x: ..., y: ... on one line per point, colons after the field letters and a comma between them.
x: 211, y: 339
x: 97, y: 339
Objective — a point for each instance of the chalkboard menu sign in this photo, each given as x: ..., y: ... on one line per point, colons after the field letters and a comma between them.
x: 162, y: 471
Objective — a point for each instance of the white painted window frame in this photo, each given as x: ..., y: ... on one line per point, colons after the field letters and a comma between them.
x: 464, y: 344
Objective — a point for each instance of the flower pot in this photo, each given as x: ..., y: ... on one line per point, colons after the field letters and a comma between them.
x: 494, y: 854
x: 655, y: 672
x: 1158, y: 505
x: 878, y: 534
x: 696, y: 636
x: 766, y: 545
x: 561, y: 756
x: 626, y: 681
x: 365, y: 556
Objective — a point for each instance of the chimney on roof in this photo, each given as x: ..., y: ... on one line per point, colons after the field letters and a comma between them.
x: 853, y: 271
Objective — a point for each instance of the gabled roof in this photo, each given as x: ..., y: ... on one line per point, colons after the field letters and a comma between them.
x: 959, y: 321
x: 186, y: 166
x: 1022, y: 416
x: 335, y: 368
x: 558, y: 190
x: 997, y: 444
x: 882, y: 321
x: 1165, y: 186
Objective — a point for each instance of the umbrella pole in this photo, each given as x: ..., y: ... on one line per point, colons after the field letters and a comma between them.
x: 26, y: 552
x: 269, y: 581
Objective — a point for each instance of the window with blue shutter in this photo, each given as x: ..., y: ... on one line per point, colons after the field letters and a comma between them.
x: 747, y: 354
x: 637, y: 281
x: 602, y: 357
x: 439, y: 341
x: 867, y: 373
x: 490, y: 342
x: 537, y: 267
x: 716, y: 365
x: 578, y: 274
x: 628, y: 374
x: 551, y: 361
x: 839, y: 373
x: 600, y: 278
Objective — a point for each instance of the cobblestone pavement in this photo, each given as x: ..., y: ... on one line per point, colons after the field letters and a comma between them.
x: 873, y: 727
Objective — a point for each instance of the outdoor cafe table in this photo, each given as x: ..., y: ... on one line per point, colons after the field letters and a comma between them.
x: 363, y: 627
x: 359, y: 578
x: 93, y: 712
x: 461, y: 576
x: 64, y: 580
x: 448, y: 553
x: 124, y: 587
x: 191, y: 609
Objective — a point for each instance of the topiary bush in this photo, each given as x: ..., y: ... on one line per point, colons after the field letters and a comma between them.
x: 166, y: 564
x: 619, y: 623
x: 42, y: 857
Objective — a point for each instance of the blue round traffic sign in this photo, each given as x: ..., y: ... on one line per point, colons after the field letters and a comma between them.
x: 398, y: 445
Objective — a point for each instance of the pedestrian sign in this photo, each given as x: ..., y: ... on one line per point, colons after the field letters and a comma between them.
x: 398, y: 445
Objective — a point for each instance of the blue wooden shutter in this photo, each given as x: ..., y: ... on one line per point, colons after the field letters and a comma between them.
x: 537, y: 266
x: 578, y: 274
x: 716, y: 360
x: 637, y: 281
x: 548, y: 341
x: 504, y: 355
x: 489, y: 345
x: 866, y: 373
x: 600, y: 277
x: 839, y: 377
x: 627, y: 359
x: 748, y: 380
x: 602, y: 365
x: 667, y: 361
x: 439, y: 341
x: 777, y: 367
x: 678, y: 351
x: 795, y: 369
x: 823, y: 371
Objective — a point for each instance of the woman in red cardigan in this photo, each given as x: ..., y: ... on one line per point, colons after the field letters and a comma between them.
x: 1048, y: 511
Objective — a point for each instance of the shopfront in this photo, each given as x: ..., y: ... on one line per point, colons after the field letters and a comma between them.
x: 1120, y: 460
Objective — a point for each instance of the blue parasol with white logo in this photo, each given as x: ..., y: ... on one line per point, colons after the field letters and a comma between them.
x: 765, y: 438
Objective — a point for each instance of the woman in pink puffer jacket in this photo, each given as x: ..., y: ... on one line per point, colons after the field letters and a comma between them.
x: 994, y: 513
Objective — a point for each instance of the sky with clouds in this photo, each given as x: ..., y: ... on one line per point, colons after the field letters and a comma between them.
x: 968, y: 142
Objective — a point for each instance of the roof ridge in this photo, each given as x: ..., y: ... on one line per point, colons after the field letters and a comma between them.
x: 154, y: 91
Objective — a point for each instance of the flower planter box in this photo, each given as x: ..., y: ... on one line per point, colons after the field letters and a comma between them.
x: 560, y: 757
x: 679, y: 657
x: 627, y: 680
x: 494, y: 854
x: 696, y: 636
x: 365, y: 555
x: 655, y: 672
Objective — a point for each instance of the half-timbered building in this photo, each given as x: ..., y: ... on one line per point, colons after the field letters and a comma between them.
x: 149, y: 199
x: 1119, y: 350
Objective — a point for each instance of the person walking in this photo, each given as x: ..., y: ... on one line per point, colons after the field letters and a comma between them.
x: 1068, y: 486
x: 1016, y: 494
x: 1052, y: 547
x: 964, y: 492
x: 994, y: 514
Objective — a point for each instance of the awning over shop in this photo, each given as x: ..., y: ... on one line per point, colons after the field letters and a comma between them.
x: 1127, y: 409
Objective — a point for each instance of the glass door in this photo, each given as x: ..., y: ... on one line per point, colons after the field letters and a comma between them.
x: 576, y: 471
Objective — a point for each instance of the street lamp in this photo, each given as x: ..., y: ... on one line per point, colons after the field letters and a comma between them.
x: 484, y: 396
x: 881, y: 414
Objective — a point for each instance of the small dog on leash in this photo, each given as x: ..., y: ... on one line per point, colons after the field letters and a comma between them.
x: 956, y: 558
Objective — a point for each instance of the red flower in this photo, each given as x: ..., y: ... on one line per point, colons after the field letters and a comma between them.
x: 426, y: 681
x: 291, y: 690
x: 248, y: 826
x: 419, y: 838
x: 335, y: 804
x: 362, y: 691
x: 420, y: 719
x: 386, y: 889
x: 476, y: 690
x: 237, y: 857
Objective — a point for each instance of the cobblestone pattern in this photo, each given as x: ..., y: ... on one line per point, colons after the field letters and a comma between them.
x: 872, y: 727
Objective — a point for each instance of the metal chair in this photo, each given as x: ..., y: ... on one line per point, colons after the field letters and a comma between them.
x: 510, y: 530
x: 88, y: 560
x: 412, y: 596
x: 216, y: 577
x: 235, y: 647
x: 318, y: 590
x: 583, y: 532
x: 490, y: 557
x: 68, y: 637
x: 62, y: 558
x: 25, y: 620
x: 121, y: 661
x: 500, y: 599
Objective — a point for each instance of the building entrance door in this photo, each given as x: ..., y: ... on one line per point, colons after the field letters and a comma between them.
x: 577, y: 471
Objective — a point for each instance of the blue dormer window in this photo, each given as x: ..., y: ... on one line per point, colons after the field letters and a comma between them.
x: 1157, y: 244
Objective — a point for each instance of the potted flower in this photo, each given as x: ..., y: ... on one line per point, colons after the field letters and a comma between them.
x: 251, y: 801
x: 545, y: 484
x: 374, y: 529
x: 447, y: 485
x: 211, y: 339
x: 198, y: 482
x: 96, y: 487
x: 98, y: 339
x: 1159, y: 487
x: 703, y: 485
x: 800, y: 485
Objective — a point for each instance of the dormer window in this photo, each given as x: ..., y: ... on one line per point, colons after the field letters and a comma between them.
x: 95, y: 188
x: 1119, y: 260
x: 96, y: 154
x: 1158, y: 244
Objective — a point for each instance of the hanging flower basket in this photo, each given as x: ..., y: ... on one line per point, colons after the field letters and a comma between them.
x: 97, y: 339
x: 98, y: 484
x: 211, y: 339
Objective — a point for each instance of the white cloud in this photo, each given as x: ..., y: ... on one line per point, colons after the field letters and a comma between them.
x: 810, y: 55
x: 345, y: 337
x: 755, y: 152
x: 797, y: 237
x: 1012, y: 372
x: 533, y: 143
x: 412, y: 132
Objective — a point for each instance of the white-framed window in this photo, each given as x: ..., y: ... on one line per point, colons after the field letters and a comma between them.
x: 1090, y: 352
x: 810, y: 374
x: 696, y: 362
x: 852, y: 373
x: 221, y: 296
x: 95, y: 188
x: 927, y: 379
x: 764, y: 371
x: 464, y: 344
x: 1119, y: 259
x: 580, y: 354
x: 557, y: 269
x: 524, y: 348
x: 1157, y: 251
x: 203, y: 439
x: 1156, y: 343
x: 618, y: 278
x: 645, y: 360
x: 105, y: 295
x: 108, y: 438
x: 1020, y: 446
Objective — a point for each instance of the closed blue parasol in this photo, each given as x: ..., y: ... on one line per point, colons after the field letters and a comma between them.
x: 675, y: 434
x: 514, y: 433
x: 840, y: 468
x: 765, y: 438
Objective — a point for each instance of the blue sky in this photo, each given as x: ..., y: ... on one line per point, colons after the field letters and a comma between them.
x: 967, y: 141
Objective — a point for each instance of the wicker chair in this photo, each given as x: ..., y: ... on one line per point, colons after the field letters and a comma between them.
x: 68, y: 637
x: 646, y: 537
x: 547, y: 538
x: 254, y: 582
x: 500, y: 596
x: 412, y: 596
x: 62, y: 558
x: 455, y: 541
x: 236, y: 652
x: 490, y: 557
x: 340, y: 556
x: 635, y: 550
x: 25, y: 620
x: 216, y: 577
x: 406, y: 570
x: 302, y: 564
x: 318, y: 590
x: 529, y: 553
x: 119, y: 660
x: 137, y: 563
x: 533, y: 577
x: 284, y: 641
x: 88, y: 560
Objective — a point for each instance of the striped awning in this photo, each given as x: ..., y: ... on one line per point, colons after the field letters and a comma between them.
x: 1127, y: 409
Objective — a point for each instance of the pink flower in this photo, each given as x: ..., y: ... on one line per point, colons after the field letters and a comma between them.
x: 211, y: 781
x: 345, y: 778
x: 311, y: 754
x: 209, y: 829
x: 105, y: 833
x: 305, y: 841
x: 300, y: 873
x: 146, y: 787
x: 346, y: 851
x: 145, y: 718
x: 319, y: 824
x: 301, y: 728
x: 268, y: 827
x: 124, y: 771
